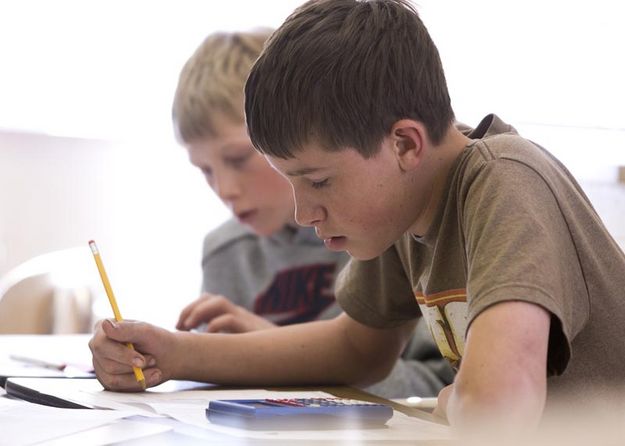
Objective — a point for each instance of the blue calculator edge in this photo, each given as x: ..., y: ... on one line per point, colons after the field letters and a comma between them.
x: 298, y: 413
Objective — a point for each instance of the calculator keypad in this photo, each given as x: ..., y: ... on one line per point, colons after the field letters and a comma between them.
x: 317, y: 402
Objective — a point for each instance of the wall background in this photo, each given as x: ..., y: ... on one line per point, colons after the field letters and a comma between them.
x: 86, y: 150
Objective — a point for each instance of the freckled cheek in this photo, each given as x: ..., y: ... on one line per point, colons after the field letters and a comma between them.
x: 376, y: 215
x: 362, y: 218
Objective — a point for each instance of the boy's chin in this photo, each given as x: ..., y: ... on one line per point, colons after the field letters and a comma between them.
x: 367, y: 251
x: 363, y: 254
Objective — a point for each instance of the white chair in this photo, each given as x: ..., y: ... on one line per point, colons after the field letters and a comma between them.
x: 31, y: 301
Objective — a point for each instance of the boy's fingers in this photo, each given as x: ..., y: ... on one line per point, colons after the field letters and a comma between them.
x: 116, y: 357
x: 123, y: 331
x: 150, y: 361
x: 191, y: 315
x: 110, y: 366
x: 201, y: 312
x: 184, y: 314
x: 127, y: 382
x: 210, y: 309
x: 153, y: 377
x: 224, y: 323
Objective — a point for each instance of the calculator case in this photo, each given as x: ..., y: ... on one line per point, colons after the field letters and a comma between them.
x: 304, y: 414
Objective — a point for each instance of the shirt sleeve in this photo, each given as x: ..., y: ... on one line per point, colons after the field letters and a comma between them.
x: 519, y: 248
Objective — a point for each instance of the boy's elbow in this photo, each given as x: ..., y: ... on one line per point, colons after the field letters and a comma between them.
x: 369, y: 354
x: 509, y: 408
x: 374, y: 373
x: 363, y: 370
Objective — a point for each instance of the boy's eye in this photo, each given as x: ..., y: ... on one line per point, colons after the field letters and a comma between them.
x: 239, y: 161
x: 319, y: 184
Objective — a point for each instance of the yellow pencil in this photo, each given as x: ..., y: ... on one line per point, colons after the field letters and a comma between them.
x: 109, y: 292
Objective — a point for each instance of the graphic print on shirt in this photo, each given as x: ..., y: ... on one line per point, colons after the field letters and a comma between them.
x: 297, y: 294
x: 446, y: 315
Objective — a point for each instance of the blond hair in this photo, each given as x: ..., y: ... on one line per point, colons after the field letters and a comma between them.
x: 212, y: 81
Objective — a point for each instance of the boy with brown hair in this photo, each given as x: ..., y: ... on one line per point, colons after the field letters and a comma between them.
x: 260, y: 269
x: 484, y: 234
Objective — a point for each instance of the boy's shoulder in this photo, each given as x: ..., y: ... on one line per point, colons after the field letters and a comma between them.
x: 225, y: 236
x: 494, y: 139
x: 490, y: 126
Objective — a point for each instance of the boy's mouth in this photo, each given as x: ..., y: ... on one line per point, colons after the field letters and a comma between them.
x: 335, y: 243
x: 246, y: 215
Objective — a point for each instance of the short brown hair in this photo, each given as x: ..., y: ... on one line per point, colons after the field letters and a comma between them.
x: 212, y: 80
x: 341, y: 73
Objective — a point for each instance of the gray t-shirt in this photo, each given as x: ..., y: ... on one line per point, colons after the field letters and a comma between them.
x: 289, y: 278
x: 514, y: 225
x: 286, y: 278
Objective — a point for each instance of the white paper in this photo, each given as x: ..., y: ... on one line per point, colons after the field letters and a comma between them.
x: 23, y: 423
x: 68, y: 349
x: 71, y: 350
x: 188, y: 406
x: 86, y: 392
x: 114, y: 432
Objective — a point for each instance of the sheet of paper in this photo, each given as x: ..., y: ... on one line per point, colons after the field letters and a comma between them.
x: 23, y: 423
x: 86, y: 392
x: 70, y: 350
x: 188, y: 406
x: 114, y: 432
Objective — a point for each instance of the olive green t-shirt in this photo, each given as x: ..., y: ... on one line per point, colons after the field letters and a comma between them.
x: 513, y: 225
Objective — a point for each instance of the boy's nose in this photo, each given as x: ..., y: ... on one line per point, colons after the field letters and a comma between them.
x: 308, y: 215
x: 226, y: 187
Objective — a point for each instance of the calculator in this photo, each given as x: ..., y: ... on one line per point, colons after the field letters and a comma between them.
x: 298, y: 413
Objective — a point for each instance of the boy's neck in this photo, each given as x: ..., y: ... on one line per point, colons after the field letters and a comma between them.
x: 439, y: 163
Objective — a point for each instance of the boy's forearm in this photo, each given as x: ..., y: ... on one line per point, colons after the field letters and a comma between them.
x: 315, y: 353
x: 296, y: 355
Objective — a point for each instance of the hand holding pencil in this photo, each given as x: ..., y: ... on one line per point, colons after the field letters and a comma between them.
x: 109, y: 292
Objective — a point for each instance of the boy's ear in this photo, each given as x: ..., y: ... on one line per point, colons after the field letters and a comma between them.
x: 408, y: 138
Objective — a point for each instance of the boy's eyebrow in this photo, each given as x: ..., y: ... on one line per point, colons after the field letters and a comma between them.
x: 303, y: 171
x: 237, y: 145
